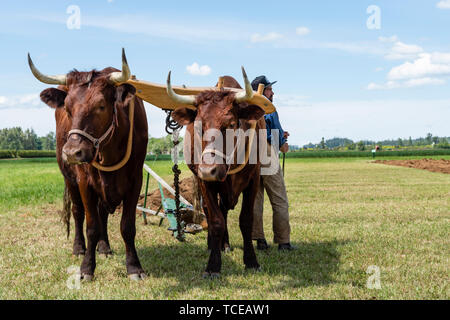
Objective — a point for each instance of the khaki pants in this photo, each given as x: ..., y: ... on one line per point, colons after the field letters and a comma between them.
x: 276, y: 190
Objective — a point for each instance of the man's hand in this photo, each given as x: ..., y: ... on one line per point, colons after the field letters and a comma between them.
x: 284, y: 148
x: 286, y: 135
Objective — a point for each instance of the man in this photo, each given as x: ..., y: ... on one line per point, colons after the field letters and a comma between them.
x: 274, y: 184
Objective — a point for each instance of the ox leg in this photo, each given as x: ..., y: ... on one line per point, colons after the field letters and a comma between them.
x: 92, y: 232
x: 216, y: 231
x: 103, y: 246
x: 79, y: 244
x: 128, y: 231
x: 246, y: 225
x: 226, y: 240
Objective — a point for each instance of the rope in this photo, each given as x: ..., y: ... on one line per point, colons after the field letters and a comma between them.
x: 125, y: 159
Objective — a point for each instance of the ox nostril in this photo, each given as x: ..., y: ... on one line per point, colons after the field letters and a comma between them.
x: 78, y: 154
x: 213, y: 171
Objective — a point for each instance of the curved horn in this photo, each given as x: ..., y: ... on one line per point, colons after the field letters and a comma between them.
x: 124, y: 75
x: 58, y: 79
x: 183, y: 99
x: 246, y: 94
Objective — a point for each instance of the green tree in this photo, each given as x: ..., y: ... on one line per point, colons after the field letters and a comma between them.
x: 49, y: 141
x: 429, y: 138
x: 322, y: 143
x: 361, y: 146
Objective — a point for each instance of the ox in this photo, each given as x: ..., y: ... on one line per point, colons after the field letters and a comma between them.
x: 221, y: 110
x: 92, y: 112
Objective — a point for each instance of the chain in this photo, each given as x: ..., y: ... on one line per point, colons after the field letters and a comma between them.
x: 171, y: 125
x: 173, y: 128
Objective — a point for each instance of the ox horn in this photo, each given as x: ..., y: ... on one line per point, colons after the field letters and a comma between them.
x: 124, y: 75
x: 183, y: 99
x: 58, y: 79
x: 246, y: 94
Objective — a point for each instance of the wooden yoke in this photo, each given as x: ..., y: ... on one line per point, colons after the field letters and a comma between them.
x: 156, y: 94
x: 220, y: 83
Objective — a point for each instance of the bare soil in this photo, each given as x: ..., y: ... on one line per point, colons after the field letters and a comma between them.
x: 442, y: 165
x: 187, y: 191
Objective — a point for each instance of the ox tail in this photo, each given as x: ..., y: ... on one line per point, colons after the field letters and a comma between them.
x: 65, y: 213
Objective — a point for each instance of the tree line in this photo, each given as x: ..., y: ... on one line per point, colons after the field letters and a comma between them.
x: 362, y: 145
x: 17, y: 139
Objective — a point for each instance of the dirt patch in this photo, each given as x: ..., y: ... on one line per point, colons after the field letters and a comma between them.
x: 442, y: 165
x: 154, y: 196
x: 187, y: 191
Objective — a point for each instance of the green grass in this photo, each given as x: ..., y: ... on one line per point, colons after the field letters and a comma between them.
x: 346, y: 215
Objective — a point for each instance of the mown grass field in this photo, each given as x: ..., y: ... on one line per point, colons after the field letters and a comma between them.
x: 346, y: 215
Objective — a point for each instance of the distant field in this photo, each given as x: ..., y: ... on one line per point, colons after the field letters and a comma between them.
x: 347, y: 214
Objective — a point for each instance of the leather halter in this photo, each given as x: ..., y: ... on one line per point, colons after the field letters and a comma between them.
x: 227, y: 158
x: 96, y: 142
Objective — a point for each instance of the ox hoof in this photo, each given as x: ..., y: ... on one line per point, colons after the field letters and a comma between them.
x: 104, y: 249
x: 211, y: 275
x: 78, y: 251
x: 77, y: 255
x: 87, y: 277
x: 137, y: 276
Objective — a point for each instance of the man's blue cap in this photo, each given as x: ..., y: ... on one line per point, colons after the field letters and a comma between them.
x: 263, y: 80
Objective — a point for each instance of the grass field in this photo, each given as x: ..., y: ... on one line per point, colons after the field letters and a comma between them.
x: 346, y: 215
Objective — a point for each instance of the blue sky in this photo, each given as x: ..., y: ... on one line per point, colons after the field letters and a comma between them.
x: 336, y: 77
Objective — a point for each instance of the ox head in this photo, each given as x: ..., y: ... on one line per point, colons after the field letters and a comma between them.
x: 216, y: 112
x: 91, y: 102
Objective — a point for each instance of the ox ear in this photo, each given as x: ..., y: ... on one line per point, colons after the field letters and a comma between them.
x: 184, y: 116
x: 251, y: 112
x: 124, y: 93
x: 53, y: 97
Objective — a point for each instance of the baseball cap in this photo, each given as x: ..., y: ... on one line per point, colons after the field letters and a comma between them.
x: 261, y: 79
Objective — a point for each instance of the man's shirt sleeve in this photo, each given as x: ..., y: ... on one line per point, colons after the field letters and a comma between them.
x: 273, y: 122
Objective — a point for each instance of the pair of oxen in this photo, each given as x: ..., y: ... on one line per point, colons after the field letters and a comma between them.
x: 102, y: 134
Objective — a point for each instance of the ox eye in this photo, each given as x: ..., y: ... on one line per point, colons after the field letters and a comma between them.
x: 102, y: 108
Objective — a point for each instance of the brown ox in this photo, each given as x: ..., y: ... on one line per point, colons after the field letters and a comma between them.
x: 222, y: 110
x: 96, y: 104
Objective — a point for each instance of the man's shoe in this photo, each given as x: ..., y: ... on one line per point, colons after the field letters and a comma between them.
x: 286, y: 247
x: 261, y: 244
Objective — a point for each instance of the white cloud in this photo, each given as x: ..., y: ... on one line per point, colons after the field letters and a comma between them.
x: 197, y: 70
x: 419, y: 68
x: 422, y: 67
x: 302, y: 31
x: 193, y: 30
x: 271, y: 36
x: 20, y: 101
x: 444, y: 4
x: 393, y: 38
x: 291, y: 100
x: 406, y: 84
x: 403, y: 51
